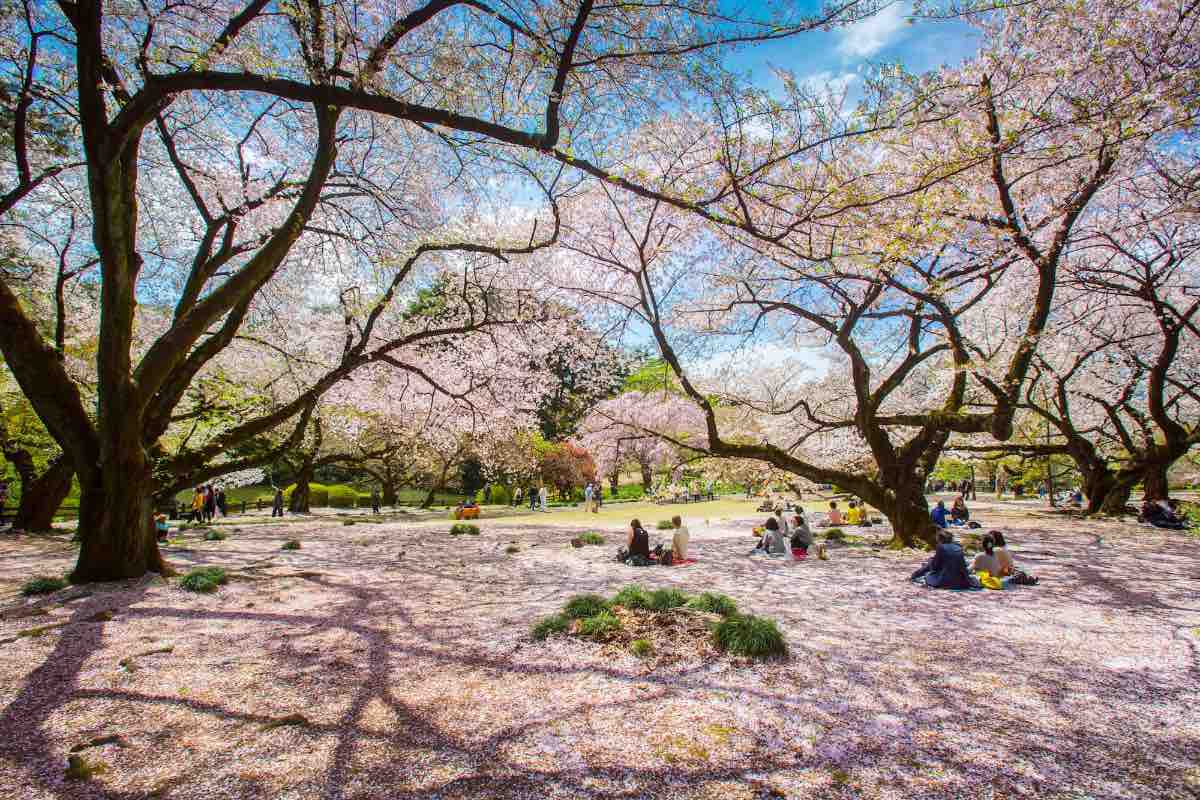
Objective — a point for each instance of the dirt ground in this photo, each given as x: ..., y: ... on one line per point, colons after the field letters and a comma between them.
x: 394, y: 661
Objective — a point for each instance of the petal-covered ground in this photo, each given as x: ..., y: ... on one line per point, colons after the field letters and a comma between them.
x: 394, y: 661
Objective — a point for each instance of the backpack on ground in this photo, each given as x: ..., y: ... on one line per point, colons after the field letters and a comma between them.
x: 668, y: 558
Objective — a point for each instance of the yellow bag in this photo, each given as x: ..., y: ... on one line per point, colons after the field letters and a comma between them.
x: 988, y: 581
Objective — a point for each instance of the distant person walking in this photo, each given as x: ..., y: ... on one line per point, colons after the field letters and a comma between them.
x: 533, y: 498
x: 544, y: 497
x: 197, y: 505
x: 587, y: 497
x: 277, y: 506
x: 210, y: 503
x: 221, y: 502
x: 374, y: 501
x: 709, y: 489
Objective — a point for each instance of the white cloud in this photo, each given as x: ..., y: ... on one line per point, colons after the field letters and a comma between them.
x: 865, y: 39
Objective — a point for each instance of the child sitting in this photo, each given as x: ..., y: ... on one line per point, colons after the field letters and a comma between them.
x: 835, y: 516
x: 160, y: 526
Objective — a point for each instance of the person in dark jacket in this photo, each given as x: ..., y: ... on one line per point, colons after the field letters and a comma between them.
x: 639, y: 541
x: 948, y: 567
x: 277, y: 504
x: 939, y: 514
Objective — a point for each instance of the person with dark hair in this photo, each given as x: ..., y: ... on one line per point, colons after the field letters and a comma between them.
x: 987, y: 561
x: 1159, y: 516
x: 939, y: 514
x: 959, y: 512
x: 948, y: 567
x: 1003, y: 556
x: 802, y: 537
x: 277, y: 504
x: 773, y: 541
x: 638, y: 543
x: 835, y: 516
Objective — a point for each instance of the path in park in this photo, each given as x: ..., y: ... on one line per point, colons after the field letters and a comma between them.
x: 407, y: 653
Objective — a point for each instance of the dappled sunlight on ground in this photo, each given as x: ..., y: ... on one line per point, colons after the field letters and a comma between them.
x: 406, y: 651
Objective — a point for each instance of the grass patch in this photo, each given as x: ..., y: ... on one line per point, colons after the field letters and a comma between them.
x: 291, y: 544
x: 557, y: 623
x: 835, y: 535
x: 664, y: 525
x: 632, y: 596
x: 599, y: 627
x: 714, y: 603
x: 584, y: 605
x: 641, y: 648
x: 591, y: 537
x: 666, y: 599
x: 43, y: 584
x: 512, y: 548
x: 80, y: 769
x: 460, y: 528
x: 204, y: 579
x: 215, y: 536
x: 750, y: 636
x: 347, y: 522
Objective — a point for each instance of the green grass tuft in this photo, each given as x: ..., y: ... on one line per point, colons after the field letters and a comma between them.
x: 714, y: 603
x: 512, y: 548
x: 43, y: 584
x: 666, y: 599
x: 204, y: 579
x: 599, y: 627
x: 584, y: 605
x: 557, y: 623
x: 591, y: 537
x: 291, y: 544
x: 460, y: 528
x: 664, y: 525
x: 835, y: 534
x: 632, y: 596
x: 215, y: 536
x: 750, y: 636
x: 641, y: 647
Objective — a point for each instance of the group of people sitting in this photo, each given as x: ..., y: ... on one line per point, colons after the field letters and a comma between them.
x: 957, y: 514
x: 993, y: 568
x: 855, y: 514
x: 1163, y: 513
x: 637, y: 552
x: 781, y: 537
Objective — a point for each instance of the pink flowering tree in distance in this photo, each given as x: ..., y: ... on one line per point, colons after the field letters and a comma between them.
x: 628, y: 430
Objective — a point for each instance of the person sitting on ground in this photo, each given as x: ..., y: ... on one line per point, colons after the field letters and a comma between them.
x: 1176, y: 510
x: 1003, y: 556
x: 784, y: 528
x: 679, y: 540
x: 948, y: 567
x: 987, y: 561
x: 638, y: 542
x: 835, y: 516
x: 802, y: 537
x: 854, y: 514
x: 773, y: 541
x: 939, y: 514
x: 161, y: 528
x: 1159, y: 517
x: 959, y: 512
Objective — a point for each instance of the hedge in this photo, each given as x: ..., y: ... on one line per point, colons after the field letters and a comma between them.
x: 342, y: 496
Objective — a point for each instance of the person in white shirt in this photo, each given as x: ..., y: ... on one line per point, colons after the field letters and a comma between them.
x: 679, y: 540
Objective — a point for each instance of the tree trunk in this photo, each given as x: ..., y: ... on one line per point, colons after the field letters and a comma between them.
x: 1154, y: 481
x: 438, y: 484
x: 391, y: 493
x: 301, y: 494
x: 42, y: 496
x: 1115, y: 498
x: 647, y: 478
x: 116, y: 528
x: 614, y: 482
x: 908, y: 512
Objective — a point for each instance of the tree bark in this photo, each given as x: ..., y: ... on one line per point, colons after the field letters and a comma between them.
x: 614, y: 482
x: 647, y: 477
x: 42, y: 496
x: 1154, y: 481
x: 438, y: 484
x: 908, y: 512
x: 391, y: 493
x: 301, y: 493
x: 1115, y: 498
x: 116, y: 528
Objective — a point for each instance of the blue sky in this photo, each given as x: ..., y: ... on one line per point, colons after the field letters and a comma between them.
x: 838, y: 55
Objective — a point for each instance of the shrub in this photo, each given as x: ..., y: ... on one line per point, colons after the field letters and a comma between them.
x: 512, y: 548
x: 641, y: 647
x: 599, y: 627
x: 558, y: 623
x: 664, y: 525
x: 318, y: 494
x: 591, y: 537
x: 754, y: 637
x: 291, y: 544
x: 459, y: 528
x: 215, y: 536
x: 714, y: 603
x: 666, y: 599
x: 585, y: 605
x: 632, y: 596
x: 835, y: 534
x: 347, y: 522
x: 43, y: 584
x: 341, y: 496
x: 204, y: 579
x: 500, y: 496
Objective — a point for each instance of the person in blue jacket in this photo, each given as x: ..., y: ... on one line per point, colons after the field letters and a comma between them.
x: 948, y: 567
x: 939, y: 513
